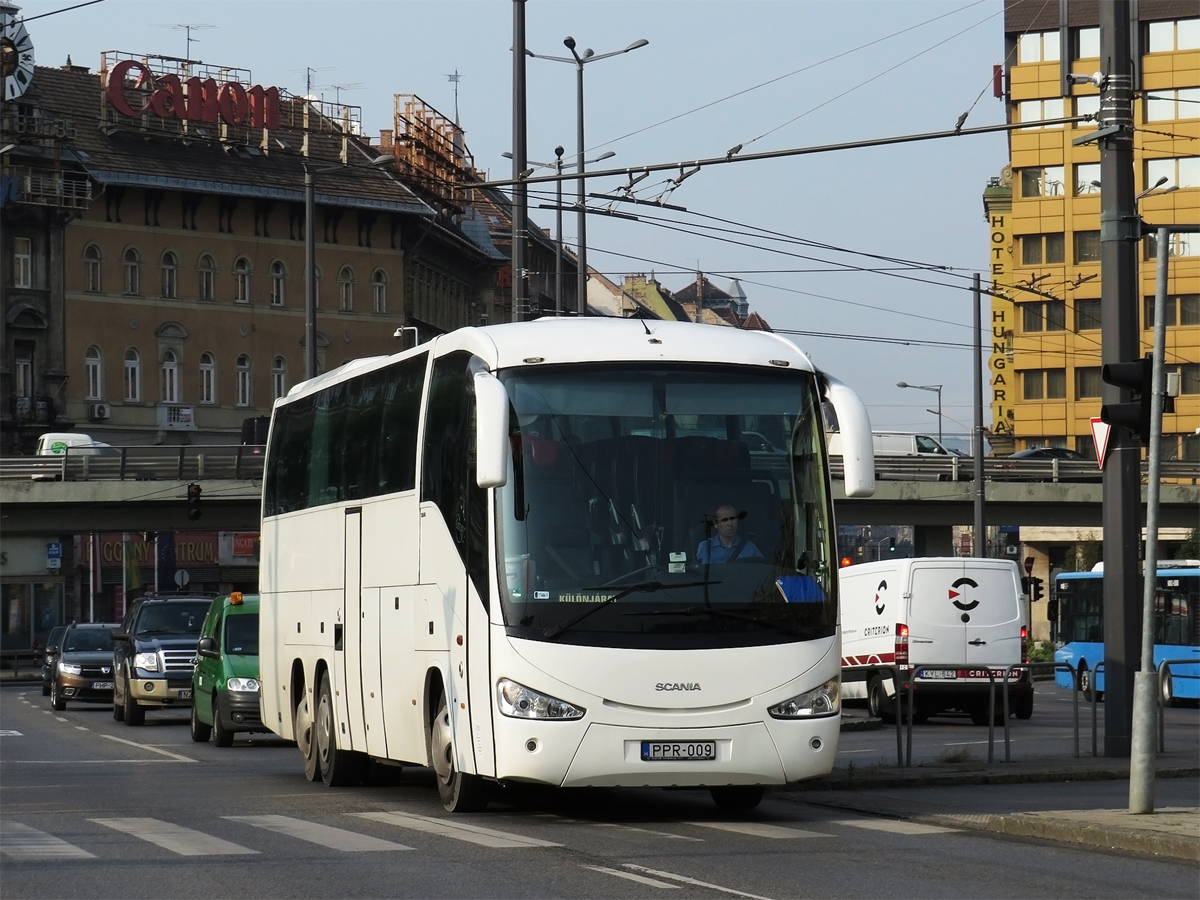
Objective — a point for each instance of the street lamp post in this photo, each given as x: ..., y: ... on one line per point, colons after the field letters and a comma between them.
x: 937, y: 389
x: 558, y: 165
x: 310, y: 256
x: 579, y: 60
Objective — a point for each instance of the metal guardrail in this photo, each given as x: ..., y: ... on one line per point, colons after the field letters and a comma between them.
x: 957, y: 468
x: 193, y: 462
x: 1164, y: 671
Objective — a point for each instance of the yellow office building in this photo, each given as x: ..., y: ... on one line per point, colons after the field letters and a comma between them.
x: 1044, y: 211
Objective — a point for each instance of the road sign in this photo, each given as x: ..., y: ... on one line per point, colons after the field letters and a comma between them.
x: 54, y: 555
x: 182, y: 577
x: 1100, y: 433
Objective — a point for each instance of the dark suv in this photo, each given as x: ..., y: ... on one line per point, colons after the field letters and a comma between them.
x: 155, y: 652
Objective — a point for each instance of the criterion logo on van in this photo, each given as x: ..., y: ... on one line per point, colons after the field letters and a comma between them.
x: 880, y: 598
x: 968, y: 601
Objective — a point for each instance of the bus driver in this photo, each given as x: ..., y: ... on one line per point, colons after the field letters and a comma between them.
x: 725, y: 545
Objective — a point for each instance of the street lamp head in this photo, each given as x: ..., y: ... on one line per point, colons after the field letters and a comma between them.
x: 902, y: 384
x: 607, y: 155
x: 506, y: 155
x: 640, y: 42
x: 569, y: 42
x: 587, y: 54
x: 381, y: 160
x: 559, y: 151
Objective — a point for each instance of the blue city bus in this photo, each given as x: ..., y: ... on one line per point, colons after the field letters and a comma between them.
x: 1080, y: 597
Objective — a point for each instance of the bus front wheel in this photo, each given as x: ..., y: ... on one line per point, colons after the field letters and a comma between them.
x: 459, y: 792
x: 1087, y: 686
x: 339, y: 767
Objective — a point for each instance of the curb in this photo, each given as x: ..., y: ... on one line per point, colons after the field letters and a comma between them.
x: 862, y: 781
x: 1112, y: 837
x: 861, y: 724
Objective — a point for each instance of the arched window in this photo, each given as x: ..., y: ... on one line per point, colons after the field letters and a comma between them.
x: 379, y: 284
x: 169, y: 264
x: 133, y: 375
x: 91, y: 269
x: 278, y: 274
x: 208, y: 378
x: 241, y: 276
x: 207, y: 271
x: 133, y: 271
x: 92, y: 364
x: 346, y: 289
x: 243, y: 380
x: 170, y: 377
x: 279, y: 377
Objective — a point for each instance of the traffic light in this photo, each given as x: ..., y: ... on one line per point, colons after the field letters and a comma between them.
x: 1133, y: 415
x: 193, y: 502
x: 891, y: 545
x: 1037, y: 589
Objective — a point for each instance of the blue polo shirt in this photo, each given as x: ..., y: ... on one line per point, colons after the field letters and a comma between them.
x: 713, y: 551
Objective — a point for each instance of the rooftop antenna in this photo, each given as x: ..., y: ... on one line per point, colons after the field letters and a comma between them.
x: 455, y: 78
x: 338, y: 88
x: 188, y: 27
x: 308, y: 77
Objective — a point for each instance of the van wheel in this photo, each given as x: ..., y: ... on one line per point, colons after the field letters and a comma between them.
x: 878, y: 704
x: 135, y: 713
x: 200, y: 731
x: 737, y: 798
x: 222, y: 736
x: 338, y: 767
x: 56, y: 699
x: 1024, y: 706
x: 458, y: 791
x: 302, y: 730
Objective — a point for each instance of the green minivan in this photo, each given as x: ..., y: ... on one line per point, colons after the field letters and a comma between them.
x: 225, y: 697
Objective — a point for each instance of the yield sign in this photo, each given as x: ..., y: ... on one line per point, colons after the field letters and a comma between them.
x: 1100, y: 433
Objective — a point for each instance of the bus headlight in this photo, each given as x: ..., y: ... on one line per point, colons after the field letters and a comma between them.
x: 242, y: 684
x: 520, y: 702
x: 147, y: 661
x: 69, y: 669
x: 822, y: 701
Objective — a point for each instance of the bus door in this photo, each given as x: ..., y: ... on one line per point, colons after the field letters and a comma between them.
x: 347, y: 639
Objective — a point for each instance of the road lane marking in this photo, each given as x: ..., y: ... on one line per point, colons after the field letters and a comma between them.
x: 20, y: 842
x: 761, y: 829
x: 59, y: 719
x: 315, y: 833
x: 640, y: 879
x: 685, y: 880
x: 666, y: 834
x: 891, y: 826
x: 473, y: 834
x: 175, y: 838
x: 151, y: 749
x: 8, y: 732
x: 82, y: 728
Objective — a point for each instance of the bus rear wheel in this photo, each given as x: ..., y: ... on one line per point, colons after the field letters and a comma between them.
x: 1087, y: 686
x: 459, y: 792
x: 338, y: 767
x: 302, y: 729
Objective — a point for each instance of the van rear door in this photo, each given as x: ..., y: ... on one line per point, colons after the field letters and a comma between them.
x: 993, y: 633
x: 935, y: 626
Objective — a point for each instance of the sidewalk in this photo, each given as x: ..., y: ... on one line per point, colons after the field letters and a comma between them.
x: 1096, y: 819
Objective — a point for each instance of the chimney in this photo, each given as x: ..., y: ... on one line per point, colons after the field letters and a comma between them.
x: 385, y: 139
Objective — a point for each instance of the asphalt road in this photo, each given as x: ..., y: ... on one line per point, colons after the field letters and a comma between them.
x: 92, y: 808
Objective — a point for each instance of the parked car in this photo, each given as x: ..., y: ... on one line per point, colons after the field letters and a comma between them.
x: 155, y: 649
x: 83, y: 669
x: 50, y: 656
x: 225, y: 681
x: 1048, y: 453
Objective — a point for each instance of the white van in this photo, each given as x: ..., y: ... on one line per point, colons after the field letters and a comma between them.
x: 894, y: 443
x: 58, y: 443
x: 952, y: 617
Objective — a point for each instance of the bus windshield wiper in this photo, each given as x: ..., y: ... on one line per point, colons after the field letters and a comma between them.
x: 645, y: 587
x: 721, y: 613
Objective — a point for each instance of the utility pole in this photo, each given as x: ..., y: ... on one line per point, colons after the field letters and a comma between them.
x: 520, y: 299
x: 980, y: 535
x: 1120, y: 234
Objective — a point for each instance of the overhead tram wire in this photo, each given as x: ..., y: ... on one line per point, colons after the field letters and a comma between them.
x: 778, y: 78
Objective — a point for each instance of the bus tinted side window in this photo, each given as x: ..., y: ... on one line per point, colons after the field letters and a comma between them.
x: 325, y: 474
x: 448, y: 470
x: 286, y: 484
x: 401, y: 401
x: 364, y: 414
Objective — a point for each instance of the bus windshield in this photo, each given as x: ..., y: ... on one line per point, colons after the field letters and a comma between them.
x: 666, y: 507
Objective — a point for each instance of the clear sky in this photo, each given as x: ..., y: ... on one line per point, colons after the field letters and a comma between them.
x: 770, y: 75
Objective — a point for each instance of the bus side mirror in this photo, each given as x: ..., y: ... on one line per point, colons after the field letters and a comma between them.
x: 491, y: 431
x: 858, y: 450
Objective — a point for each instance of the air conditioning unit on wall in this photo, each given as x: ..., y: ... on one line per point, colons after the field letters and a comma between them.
x: 99, y: 411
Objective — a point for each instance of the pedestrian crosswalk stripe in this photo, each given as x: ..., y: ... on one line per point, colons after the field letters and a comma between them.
x: 892, y: 826
x: 761, y: 829
x: 175, y: 838
x: 461, y: 831
x: 693, y: 881
x: 630, y: 876
x: 316, y: 833
x: 20, y: 842
x: 665, y: 834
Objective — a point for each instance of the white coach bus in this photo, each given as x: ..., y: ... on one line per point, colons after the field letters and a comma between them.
x: 575, y: 552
